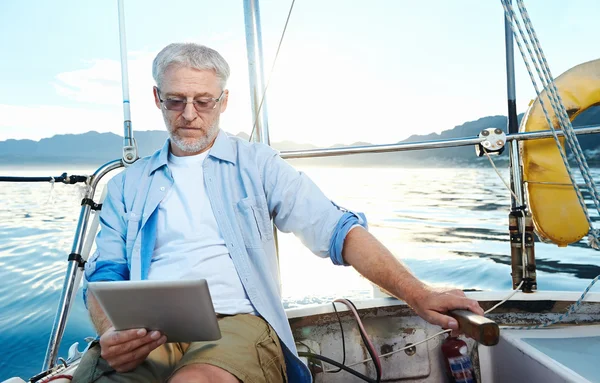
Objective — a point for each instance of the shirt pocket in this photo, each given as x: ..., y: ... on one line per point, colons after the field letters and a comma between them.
x: 254, y: 221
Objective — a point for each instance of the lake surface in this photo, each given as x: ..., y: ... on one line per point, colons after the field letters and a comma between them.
x: 448, y: 225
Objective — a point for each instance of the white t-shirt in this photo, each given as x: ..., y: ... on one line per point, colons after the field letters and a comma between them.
x: 189, y: 244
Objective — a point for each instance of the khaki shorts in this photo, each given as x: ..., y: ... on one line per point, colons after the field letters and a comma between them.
x: 248, y: 349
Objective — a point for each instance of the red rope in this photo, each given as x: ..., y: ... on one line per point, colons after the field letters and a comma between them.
x: 362, y: 330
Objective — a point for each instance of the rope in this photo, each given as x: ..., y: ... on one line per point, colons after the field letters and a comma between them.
x: 556, y: 103
x: 574, y: 307
x: 500, y: 175
x: 52, y: 182
x: 272, y: 69
x: 505, y: 299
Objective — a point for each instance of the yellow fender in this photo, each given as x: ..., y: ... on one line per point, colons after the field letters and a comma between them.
x: 557, y: 214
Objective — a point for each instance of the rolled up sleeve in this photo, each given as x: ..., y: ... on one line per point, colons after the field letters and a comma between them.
x: 299, y: 206
x: 349, y: 221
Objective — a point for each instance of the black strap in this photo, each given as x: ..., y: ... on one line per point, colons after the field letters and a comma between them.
x: 94, y: 205
x: 77, y: 258
x: 519, y: 211
x: 74, y: 179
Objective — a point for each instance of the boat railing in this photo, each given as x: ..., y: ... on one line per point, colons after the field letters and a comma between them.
x: 420, y: 145
x: 75, y: 263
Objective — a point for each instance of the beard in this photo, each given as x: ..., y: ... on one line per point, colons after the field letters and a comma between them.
x: 193, y: 144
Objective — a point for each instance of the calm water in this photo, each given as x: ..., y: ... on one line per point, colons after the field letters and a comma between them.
x: 448, y: 225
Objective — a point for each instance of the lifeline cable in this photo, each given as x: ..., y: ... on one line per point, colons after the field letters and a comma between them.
x: 63, y: 178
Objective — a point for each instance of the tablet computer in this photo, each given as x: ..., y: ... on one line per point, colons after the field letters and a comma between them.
x: 181, y: 310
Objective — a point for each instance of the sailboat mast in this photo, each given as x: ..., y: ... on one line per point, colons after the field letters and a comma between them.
x: 258, y: 97
x: 256, y: 71
x: 513, y: 123
x: 130, y: 154
x: 520, y: 223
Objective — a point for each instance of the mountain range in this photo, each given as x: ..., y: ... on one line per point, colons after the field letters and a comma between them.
x: 96, y: 148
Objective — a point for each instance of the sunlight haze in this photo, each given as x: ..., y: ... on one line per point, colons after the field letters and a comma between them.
x: 348, y: 71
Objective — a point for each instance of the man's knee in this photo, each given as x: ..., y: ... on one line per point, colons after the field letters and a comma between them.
x: 201, y: 373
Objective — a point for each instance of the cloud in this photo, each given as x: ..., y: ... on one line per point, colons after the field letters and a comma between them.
x: 316, y: 95
x: 99, y: 83
x: 91, y: 100
x: 38, y: 121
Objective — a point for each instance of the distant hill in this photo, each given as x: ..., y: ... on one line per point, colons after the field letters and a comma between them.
x: 463, y: 156
x: 87, y: 148
x: 96, y: 148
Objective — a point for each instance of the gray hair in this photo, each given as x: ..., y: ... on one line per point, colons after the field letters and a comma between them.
x: 191, y: 55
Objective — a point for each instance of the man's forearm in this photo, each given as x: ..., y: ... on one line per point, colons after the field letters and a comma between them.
x: 97, y: 315
x: 374, y: 261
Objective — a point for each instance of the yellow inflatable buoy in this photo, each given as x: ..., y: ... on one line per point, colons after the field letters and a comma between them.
x: 557, y: 214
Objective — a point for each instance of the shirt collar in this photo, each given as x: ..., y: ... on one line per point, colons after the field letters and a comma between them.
x: 221, y: 149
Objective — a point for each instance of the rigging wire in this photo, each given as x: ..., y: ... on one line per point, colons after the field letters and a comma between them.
x: 272, y: 69
x: 500, y: 175
x: 558, y: 104
x: 557, y: 107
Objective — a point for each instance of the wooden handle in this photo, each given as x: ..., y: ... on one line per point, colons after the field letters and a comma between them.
x: 477, y: 327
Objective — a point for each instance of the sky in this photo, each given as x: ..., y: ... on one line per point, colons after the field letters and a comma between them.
x: 349, y: 70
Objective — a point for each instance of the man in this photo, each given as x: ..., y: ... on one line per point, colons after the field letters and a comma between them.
x: 201, y: 208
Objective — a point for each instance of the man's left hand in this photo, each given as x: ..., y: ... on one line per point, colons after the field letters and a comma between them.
x: 431, y: 304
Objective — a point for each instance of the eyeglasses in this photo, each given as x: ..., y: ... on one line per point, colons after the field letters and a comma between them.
x: 203, y: 104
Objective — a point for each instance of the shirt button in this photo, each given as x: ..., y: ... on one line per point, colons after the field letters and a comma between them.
x: 162, y: 188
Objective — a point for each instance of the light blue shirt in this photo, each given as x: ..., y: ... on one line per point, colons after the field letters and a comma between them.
x: 248, y: 184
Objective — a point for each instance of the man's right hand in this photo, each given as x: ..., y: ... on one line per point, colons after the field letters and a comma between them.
x: 127, y: 349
